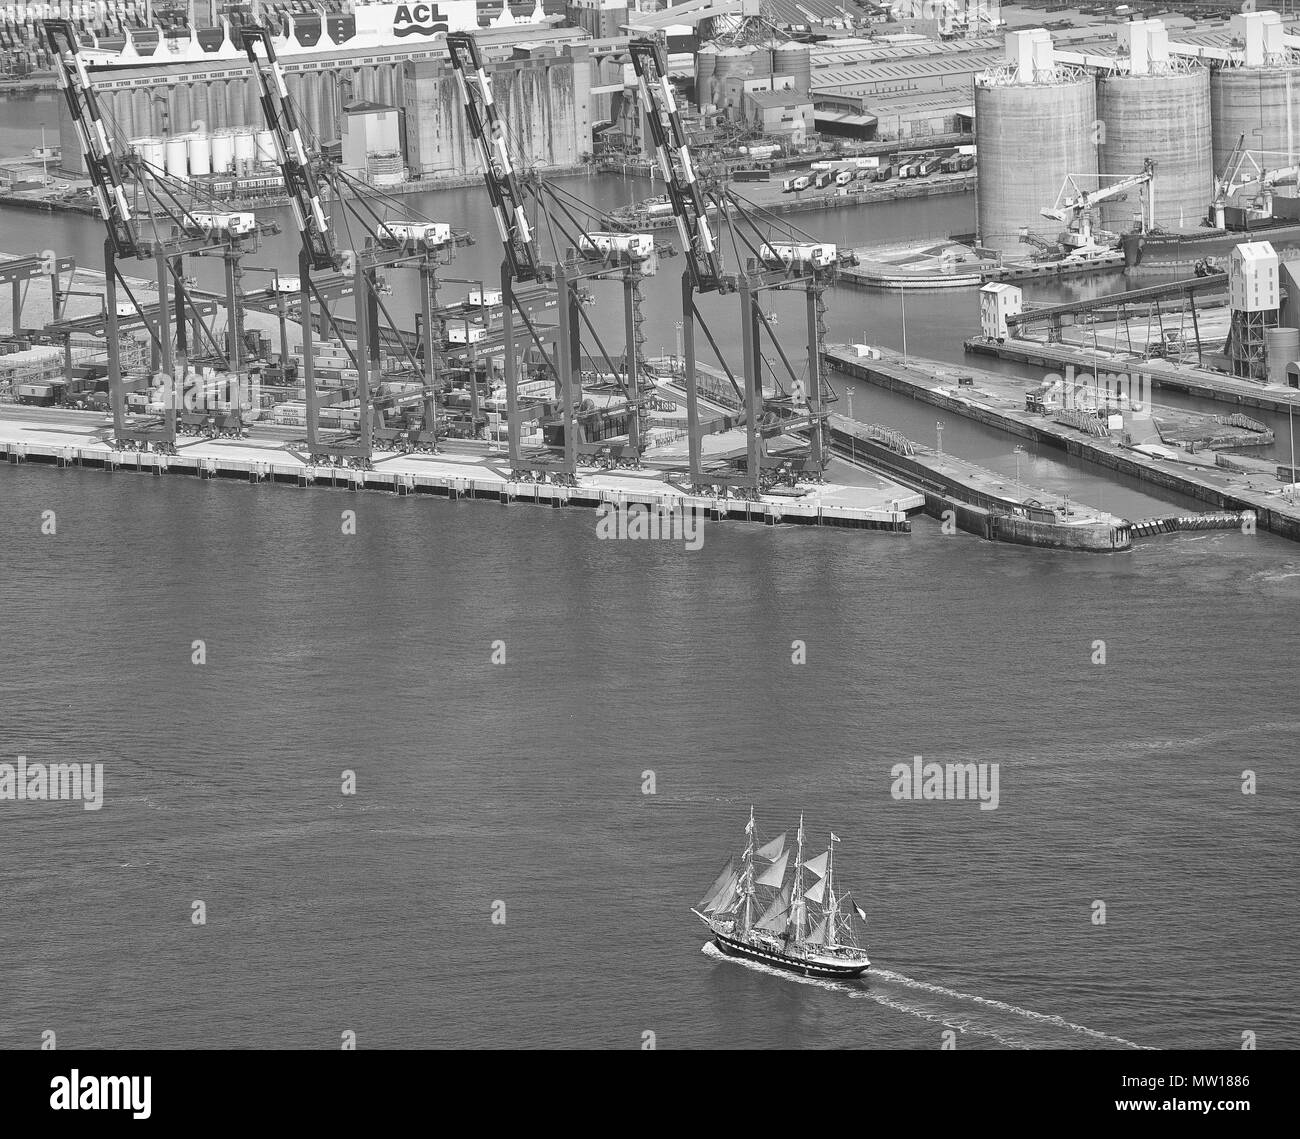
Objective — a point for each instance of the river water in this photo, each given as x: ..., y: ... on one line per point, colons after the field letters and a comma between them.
x: 516, y: 790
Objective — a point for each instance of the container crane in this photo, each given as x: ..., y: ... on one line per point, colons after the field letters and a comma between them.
x: 572, y: 426
x: 1078, y: 240
x: 771, y: 265
x: 326, y: 272
x: 189, y: 233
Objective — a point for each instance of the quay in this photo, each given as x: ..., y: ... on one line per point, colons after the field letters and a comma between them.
x: 464, y: 470
x: 1188, y: 379
x: 1226, y: 483
x: 976, y: 500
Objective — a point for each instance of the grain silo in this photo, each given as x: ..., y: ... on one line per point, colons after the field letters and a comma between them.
x: 200, y: 154
x: 266, y: 153
x: 1035, y: 124
x: 152, y: 152
x: 793, y: 61
x: 1258, y: 98
x: 1164, y: 116
x: 245, y: 149
x: 733, y: 63
x: 223, y: 151
x: 706, y: 59
x: 177, y: 156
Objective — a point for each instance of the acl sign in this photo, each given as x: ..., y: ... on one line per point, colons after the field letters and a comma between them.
x: 418, y: 20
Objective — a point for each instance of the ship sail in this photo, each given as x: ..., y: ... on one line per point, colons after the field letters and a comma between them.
x: 818, y: 935
x: 815, y: 894
x: 773, y: 918
x: 818, y: 865
x: 726, y: 899
x: 773, y: 874
x: 772, y: 851
x: 719, y: 884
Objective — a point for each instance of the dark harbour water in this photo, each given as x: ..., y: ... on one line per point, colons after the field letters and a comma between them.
x: 521, y: 783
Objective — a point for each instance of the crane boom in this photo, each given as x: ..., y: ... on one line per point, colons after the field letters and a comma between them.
x: 95, y: 142
x: 291, y: 154
x: 659, y: 105
x: 485, y: 127
x: 1087, y: 199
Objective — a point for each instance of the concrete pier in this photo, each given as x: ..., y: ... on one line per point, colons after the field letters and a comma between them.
x: 1189, y: 380
x: 463, y: 470
x: 961, y: 391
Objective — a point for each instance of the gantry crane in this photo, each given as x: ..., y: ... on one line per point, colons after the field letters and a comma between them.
x: 1078, y: 239
x: 327, y: 272
x: 573, y: 428
x: 190, y: 232
x: 770, y: 265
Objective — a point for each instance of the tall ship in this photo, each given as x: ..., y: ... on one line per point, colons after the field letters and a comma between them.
x: 758, y: 913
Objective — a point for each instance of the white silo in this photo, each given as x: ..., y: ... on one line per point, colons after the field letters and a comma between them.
x: 265, y: 148
x: 223, y: 151
x: 200, y: 152
x: 177, y: 156
x: 152, y: 152
x: 245, y: 150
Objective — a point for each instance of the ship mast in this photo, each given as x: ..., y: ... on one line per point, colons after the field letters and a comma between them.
x: 794, y: 931
x: 747, y: 876
x: 832, y: 906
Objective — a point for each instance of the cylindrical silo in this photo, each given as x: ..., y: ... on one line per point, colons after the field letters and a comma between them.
x: 152, y: 152
x: 706, y: 59
x: 245, y: 149
x: 265, y: 148
x: 177, y: 156
x: 793, y: 60
x: 200, y: 152
x: 1165, y: 118
x: 1247, y: 100
x: 733, y: 63
x: 223, y: 151
x: 760, y: 61
x: 1030, y: 136
x: 1281, y: 347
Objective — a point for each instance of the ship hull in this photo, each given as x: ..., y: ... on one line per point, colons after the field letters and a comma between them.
x: 804, y: 967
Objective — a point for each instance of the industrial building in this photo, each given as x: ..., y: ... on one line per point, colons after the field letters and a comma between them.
x: 1045, y: 114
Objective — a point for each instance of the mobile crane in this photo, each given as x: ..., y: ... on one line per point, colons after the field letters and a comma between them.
x: 1078, y: 240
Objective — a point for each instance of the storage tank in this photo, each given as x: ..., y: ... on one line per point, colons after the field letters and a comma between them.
x: 245, y: 149
x: 706, y: 59
x: 1281, y: 347
x: 760, y: 61
x: 177, y: 156
x: 223, y: 151
x: 200, y: 150
x: 1030, y: 136
x: 733, y: 63
x: 1247, y: 100
x: 153, y: 152
x: 265, y: 144
x: 794, y: 60
x: 1165, y: 118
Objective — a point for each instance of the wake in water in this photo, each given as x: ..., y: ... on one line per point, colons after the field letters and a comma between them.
x: 1006, y: 1024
